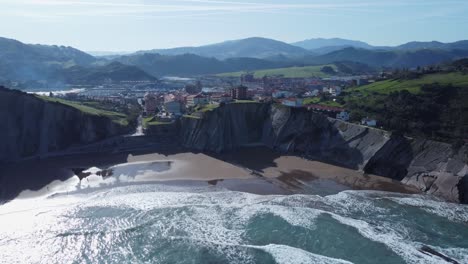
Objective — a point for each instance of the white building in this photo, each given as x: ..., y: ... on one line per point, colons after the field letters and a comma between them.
x: 369, y: 122
x: 343, y: 115
x: 293, y: 102
x: 221, y: 98
x: 335, y: 91
x: 199, y: 99
x: 173, y: 107
x: 282, y: 94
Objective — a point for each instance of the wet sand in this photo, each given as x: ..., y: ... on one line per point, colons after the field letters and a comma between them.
x: 298, y: 172
x: 256, y: 170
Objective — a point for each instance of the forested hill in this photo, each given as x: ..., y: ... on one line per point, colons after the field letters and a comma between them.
x: 114, y: 71
x: 19, y: 61
x: 190, y: 64
x: 433, y: 105
x: 390, y: 58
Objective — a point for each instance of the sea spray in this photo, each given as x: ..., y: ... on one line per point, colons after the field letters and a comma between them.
x: 163, y: 223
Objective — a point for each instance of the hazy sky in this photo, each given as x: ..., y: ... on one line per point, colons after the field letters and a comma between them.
x: 127, y: 25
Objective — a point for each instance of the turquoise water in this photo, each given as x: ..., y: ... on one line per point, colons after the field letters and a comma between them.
x: 156, y: 223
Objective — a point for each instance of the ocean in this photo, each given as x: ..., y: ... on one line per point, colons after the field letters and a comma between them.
x: 153, y: 222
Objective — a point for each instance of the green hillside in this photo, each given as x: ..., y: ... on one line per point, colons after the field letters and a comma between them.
x: 119, y: 118
x: 291, y: 72
x: 432, y: 105
x: 457, y: 79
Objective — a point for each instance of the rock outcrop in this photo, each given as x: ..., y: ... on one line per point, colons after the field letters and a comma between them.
x: 434, y: 167
x: 30, y: 126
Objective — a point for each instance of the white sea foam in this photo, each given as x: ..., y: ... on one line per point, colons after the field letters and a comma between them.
x: 454, y: 212
x: 408, y: 250
x: 291, y: 255
x: 459, y: 254
x: 59, y: 92
x: 204, y: 216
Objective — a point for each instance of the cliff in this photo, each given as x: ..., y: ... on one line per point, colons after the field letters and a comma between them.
x: 434, y: 167
x: 31, y: 126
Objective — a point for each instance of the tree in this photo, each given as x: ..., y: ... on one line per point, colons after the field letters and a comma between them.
x: 328, y: 70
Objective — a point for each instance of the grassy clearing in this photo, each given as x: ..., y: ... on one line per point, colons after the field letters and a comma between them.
x: 291, y: 72
x: 414, y: 86
x: 192, y: 116
x: 245, y: 101
x: 312, y: 100
x: 150, y: 121
x: 206, y: 108
x: 114, y: 116
x: 316, y: 100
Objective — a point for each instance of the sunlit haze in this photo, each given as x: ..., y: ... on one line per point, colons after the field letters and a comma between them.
x: 127, y: 25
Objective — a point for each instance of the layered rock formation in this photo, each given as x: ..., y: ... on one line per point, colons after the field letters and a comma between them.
x: 434, y: 167
x: 30, y: 126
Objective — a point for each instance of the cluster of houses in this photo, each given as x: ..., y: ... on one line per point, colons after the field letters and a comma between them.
x: 173, y: 105
x: 176, y: 103
x: 290, y: 98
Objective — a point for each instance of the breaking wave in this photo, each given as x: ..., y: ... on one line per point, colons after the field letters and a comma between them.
x: 154, y: 223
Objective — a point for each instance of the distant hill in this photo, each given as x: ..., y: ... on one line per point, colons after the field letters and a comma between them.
x: 322, y: 46
x: 251, y: 47
x: 19, y: 61
x: 430, y: 105
x: 114, y: 71
x: 339, y: 68
x: 329, y: 49
x: 24, y: 62
x: 28, y: 63
x: 390, y: 58
x: 190, y: 64
x: 290, y: 72
x: 319, y: 43
x: 416, y: 45
x: 108, y: 53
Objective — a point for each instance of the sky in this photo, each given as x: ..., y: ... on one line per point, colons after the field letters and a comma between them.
x: 130, y: 25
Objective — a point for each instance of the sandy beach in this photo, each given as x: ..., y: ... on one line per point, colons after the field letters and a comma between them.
x: 256, y: 170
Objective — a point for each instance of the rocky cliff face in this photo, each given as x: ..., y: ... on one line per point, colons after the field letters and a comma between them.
x: 434, y: 167
x: 227, y: 128
x: 30, y: 126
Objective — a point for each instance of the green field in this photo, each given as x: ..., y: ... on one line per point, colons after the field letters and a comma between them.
x: 292, y: 72
x: 245, y: 102
x: 316, y: 100
x: 206, y: 108
x: 149, y: 121
x: 311, y: 100
x: 414, y: 86
x: 192, y: 116
x: 114, y: 116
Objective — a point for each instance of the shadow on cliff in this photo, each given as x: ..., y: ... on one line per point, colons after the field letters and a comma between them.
x: 393, y: 159
x: 252, y: 158
x: 315, y: 137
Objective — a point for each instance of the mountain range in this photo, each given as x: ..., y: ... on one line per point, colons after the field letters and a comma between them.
x: 410, y: 58
x: 28, y: 62
x: 114, y: 71
x: 323, y: 46
x: 256, y: 47
x: 191, y: 64
x: 19, y: 61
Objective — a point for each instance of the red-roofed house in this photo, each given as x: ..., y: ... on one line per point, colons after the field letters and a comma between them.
x: 199, y: 99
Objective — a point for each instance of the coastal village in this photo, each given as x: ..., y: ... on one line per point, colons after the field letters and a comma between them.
x: 170, y: 98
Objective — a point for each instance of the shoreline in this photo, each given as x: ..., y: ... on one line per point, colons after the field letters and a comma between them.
x: 254, y: 169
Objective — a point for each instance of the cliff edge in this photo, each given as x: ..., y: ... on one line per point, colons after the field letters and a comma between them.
x: 434, y: 167
x: 31, y: 126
